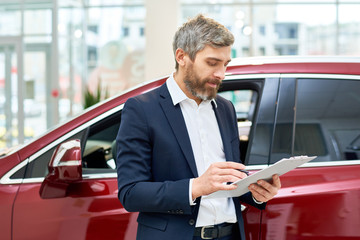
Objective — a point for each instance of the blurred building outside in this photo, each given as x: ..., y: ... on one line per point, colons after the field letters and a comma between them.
x: 52, y: 51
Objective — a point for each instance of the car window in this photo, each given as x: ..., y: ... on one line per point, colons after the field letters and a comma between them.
x: 317, y: 117
x: 244, y: 102
x: 100, y: 147
x: 97, y: 142
x: 262, y: 129
x: 38, y: 168
x: 282, y: 134
x: 333, y: 106
x: 244, y: 94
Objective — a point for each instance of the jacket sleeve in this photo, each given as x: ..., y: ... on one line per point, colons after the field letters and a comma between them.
x: 138, y: 192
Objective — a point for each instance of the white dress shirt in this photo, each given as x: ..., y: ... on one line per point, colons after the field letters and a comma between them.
x: 207, y: 147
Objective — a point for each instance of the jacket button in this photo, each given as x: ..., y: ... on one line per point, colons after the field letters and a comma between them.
x: 191, y: 222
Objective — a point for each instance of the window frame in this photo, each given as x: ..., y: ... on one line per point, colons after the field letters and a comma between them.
x: 254, y: 82
x: 322, y: 77
x: 261, y: 95
x: 327, y: 137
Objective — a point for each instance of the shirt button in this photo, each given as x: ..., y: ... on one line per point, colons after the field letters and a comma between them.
x: 191, y: 222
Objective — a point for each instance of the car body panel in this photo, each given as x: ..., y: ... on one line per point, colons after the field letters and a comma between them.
x: 315, y: 203
x: 7, y: 199
x: 91, y: 210
x: 7, y: 196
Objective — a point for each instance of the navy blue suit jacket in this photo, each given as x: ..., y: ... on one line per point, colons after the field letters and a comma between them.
x: 155, y: 163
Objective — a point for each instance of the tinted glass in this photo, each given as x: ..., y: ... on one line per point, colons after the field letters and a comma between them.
x: 100, y: 149
x: 283, y: 134
x: 38, y: 168
x: 315, y: 117
x: 330, y: 110
x: 262, y: 134
x: 244, y: 102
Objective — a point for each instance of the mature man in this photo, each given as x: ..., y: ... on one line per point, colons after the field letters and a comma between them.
x: 180, y: 142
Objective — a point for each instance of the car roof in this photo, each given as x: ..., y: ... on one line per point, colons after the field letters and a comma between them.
x: 295, y: 64
x: 293, y: 59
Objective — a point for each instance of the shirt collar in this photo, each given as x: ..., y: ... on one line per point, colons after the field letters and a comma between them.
x: 177, y: 95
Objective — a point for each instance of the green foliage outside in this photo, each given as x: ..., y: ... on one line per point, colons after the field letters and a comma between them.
x: 93, y: 98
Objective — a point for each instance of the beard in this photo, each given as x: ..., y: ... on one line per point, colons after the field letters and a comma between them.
x: 198, y: 87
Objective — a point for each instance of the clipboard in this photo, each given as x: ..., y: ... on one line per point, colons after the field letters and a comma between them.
x: 283, y: 166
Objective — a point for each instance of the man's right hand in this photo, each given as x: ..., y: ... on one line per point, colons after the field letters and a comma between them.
x: 216, y: 177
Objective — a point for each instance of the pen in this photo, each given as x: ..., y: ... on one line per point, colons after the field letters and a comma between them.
x: 241, y: 170
x: 244, y: 171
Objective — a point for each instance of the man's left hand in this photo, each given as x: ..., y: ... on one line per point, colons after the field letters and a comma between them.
x: 264, y: 191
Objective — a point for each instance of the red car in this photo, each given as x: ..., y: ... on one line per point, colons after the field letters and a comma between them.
x: 63, y: 185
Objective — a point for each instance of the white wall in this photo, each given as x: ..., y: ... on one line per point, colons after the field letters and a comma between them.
x: 162, y: 22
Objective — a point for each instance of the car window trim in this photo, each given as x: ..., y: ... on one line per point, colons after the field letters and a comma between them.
x: 311, y: 164
x: 249, y: 167
x: 320, y: 76
x: 327, y: 77
x: 297, y: 76
x: 6, y: 177
x: 85, y: 177
x: 251, y: 76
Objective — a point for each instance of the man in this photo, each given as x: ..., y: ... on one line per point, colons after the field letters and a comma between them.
x: 180, y: 142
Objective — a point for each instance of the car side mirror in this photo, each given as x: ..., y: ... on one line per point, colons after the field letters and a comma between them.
x: 64, y: 168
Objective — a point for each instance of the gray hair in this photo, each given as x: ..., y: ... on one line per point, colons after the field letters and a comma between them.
x: 198, y: 32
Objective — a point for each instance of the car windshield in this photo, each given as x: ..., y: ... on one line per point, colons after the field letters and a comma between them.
x: 7, y: 151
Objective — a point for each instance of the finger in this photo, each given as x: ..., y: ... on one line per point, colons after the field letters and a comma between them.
x: 232, y: 165
x: 227, y: 179
x: 227, y: 187
x: 221, y: 169
x: 264, y: 190
x: 216, y: 186
x: 260, y: 193
x: 267, y: 187
x: 264, y: 184
x: 257, y: 195
x: 276, y: 181
x: 272, y: 187
x: 232, y: 172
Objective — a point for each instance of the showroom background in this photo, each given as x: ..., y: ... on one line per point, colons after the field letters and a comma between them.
x: 56, y: 56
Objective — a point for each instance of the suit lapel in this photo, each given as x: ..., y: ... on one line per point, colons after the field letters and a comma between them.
x: 177, y: 123
x: 224, y: 129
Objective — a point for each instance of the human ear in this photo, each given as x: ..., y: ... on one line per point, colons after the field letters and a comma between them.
x: 180, y: 57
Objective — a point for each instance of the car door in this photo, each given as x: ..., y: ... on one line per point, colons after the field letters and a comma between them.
x: 89, y: 208
x: 254, y: 98
x: 8, y: 193
x: 316, y: 115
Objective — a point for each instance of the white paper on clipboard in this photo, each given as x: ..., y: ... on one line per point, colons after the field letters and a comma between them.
x: 280, y: 167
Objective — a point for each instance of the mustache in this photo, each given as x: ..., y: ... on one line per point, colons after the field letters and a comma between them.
x: 214, y: 81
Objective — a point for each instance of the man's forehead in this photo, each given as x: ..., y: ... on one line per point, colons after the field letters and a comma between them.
x: 222, y: 54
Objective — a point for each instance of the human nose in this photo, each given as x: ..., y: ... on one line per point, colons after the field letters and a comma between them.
x: 220, y: 73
